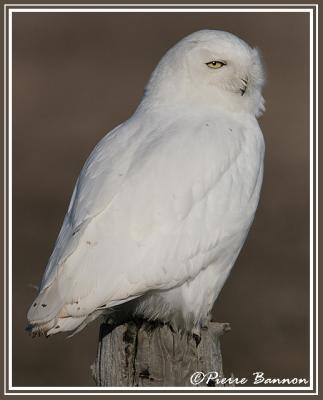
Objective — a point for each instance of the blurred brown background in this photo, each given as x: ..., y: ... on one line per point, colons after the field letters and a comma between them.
x: 76, y: 76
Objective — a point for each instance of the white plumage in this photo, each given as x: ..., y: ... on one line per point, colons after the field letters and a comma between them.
x: 164, y: 203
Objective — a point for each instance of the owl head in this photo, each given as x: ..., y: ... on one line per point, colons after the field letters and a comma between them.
x: 210, y: 67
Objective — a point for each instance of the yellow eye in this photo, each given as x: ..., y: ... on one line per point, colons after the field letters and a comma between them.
x: 215, y: 64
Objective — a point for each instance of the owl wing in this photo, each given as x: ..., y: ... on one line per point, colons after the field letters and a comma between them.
x: 140, y: 217
x: 101, y: 177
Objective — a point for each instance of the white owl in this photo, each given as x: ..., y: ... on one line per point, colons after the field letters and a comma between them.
x: 165, y: 201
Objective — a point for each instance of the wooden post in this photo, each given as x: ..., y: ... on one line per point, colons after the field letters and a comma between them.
x: 142, y: 353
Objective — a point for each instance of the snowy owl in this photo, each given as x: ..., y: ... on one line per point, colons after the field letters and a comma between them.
x: 164, y: 203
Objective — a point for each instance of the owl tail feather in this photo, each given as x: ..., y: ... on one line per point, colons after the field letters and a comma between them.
x: 55, y: 326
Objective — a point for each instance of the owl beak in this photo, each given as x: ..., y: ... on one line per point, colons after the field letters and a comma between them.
x: 244, y: 86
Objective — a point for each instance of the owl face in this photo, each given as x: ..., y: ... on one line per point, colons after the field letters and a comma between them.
x: 222, y: 61
x: 210, y: 68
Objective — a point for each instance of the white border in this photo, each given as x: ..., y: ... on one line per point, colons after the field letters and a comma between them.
x: 154, y: 8
x: 317, y: 192
x: 311, y: 194
x: 5, y: 198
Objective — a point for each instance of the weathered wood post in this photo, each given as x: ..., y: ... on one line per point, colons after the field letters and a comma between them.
x: 142, y: 353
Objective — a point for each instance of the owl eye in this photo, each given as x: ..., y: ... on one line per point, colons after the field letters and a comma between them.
x: 215, y: 64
